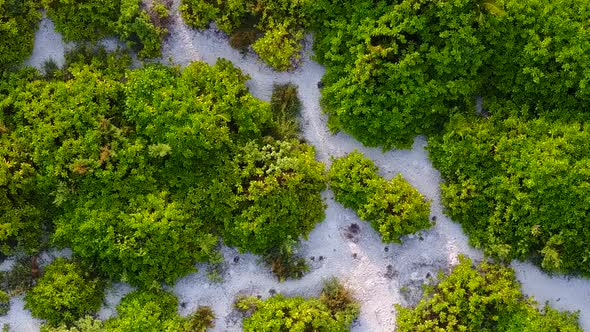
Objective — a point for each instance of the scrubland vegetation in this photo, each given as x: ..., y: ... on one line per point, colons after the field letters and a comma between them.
x: 145, y: 172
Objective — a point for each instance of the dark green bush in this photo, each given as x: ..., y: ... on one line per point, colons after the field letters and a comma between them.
x: 485, y: 297
x: 18, y: 22
x: 394, y: 208
x: 397, y: 69
x: 519, y: 188
x: 66, y: 292
x: 296, y: 314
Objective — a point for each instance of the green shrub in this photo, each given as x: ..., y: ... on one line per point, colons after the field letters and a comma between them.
x: 482, y: 298
x: 279, y: 47
x: 519, y: 188
x: 279, y: 195
x: 65, y: 293
x: 397, y: 69
x: 279, y: 313
x: 394, y: 208
x: 18, y: 23
x: 351, y: 178
x: 285, y: 107
x: 149, y: 311
x: 4, y: 303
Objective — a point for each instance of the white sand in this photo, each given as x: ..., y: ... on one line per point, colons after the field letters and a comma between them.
x: 376, y: 275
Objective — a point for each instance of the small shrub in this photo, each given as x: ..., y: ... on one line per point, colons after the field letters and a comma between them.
x: 64, y: 294
x: 394, y: 208
x: 350, y: 179
x: 4, y: 303
x: 279, y: 47
x: 201, y: 320
x: 284, y: 263
x: 339, y: 301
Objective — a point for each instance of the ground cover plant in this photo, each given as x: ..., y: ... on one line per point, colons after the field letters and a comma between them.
x: 334, y: 310
x: 274, y: 29
x: 149, y: 169
x: 394, y: 208
x: 485, y: 297
x: 140, y: 24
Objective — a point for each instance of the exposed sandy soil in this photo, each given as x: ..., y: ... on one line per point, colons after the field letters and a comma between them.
x: 376, y: 273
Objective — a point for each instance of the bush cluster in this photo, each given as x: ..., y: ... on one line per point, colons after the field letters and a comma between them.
x: 398, y: 69
x: 140, y: 24
x: 394, y: 208
x: 485, y: 297
x: 274, y: 28
x: 335, y: 310
x: 143, y: 170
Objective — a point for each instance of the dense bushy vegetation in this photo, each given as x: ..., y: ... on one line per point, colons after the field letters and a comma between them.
x: 333, y: 311
x: 394, y: 208
x: 396, y: 70
x: 65, y: 293
x: 140, y: 24
x: 520, y: 188
x: 485, y: 297
x: 273, y: 28
x: 18, y: 22
x: 399, y: 69
x: 147, y: 168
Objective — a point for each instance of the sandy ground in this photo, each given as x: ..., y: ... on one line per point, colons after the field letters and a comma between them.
x: 379, y: 275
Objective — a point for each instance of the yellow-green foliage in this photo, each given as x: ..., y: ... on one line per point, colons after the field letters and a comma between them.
x: 394, y: 208
x: 334, y: 311
x: 485, y: 298
x: 18, y: 22
x: 65, y: 293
